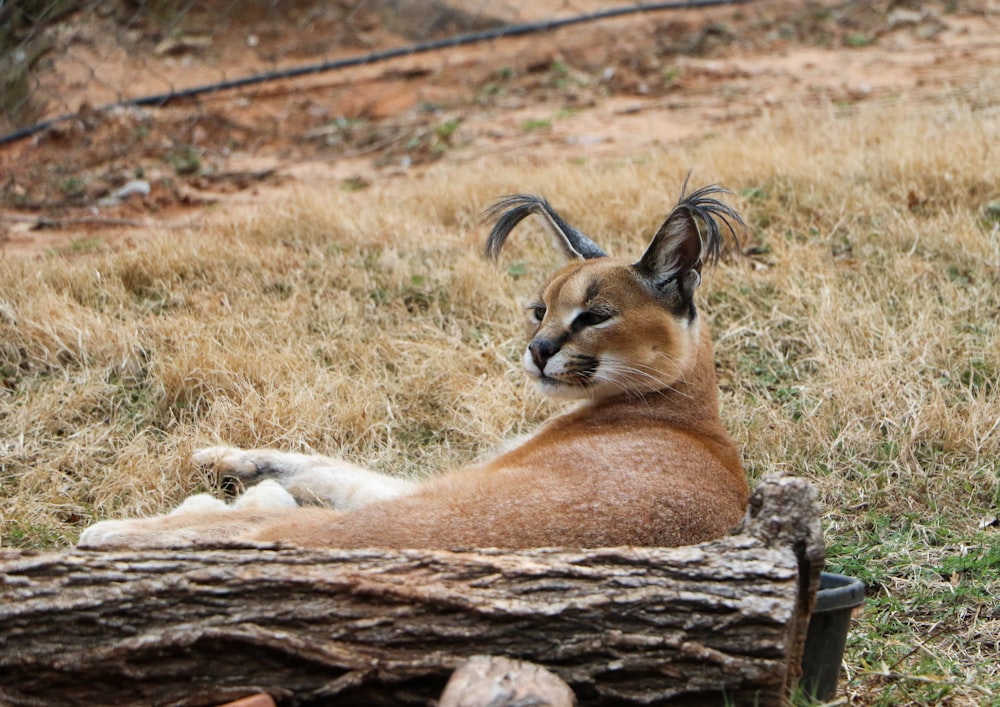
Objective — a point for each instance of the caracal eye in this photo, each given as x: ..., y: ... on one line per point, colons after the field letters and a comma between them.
x: 591, y: 318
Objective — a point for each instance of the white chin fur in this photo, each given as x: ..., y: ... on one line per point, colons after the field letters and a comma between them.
x: 547, y: 386
x: 560, y: 391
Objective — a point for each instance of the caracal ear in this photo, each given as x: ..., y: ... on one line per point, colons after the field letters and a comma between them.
x: 687, y: 239
x: 511, y: 210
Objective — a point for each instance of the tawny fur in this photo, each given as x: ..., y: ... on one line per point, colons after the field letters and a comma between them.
x: 643, y: 460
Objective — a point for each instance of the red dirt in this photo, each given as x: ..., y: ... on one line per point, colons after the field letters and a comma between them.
x: 611, y: 88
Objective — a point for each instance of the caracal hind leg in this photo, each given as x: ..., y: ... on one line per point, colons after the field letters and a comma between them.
x: 310, y: 478
x: 199, y: 520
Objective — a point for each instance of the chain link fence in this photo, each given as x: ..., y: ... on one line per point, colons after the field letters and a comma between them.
x: 175, y: 99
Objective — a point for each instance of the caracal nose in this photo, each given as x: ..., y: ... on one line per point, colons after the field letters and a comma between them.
x: 541, y: 351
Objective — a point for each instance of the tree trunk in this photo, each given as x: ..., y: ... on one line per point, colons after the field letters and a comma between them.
x: 687, y: 625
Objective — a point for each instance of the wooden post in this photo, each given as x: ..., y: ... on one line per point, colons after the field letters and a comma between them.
x: 690, y: 625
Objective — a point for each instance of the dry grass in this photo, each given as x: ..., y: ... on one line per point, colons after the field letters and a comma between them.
x: 858, y: 345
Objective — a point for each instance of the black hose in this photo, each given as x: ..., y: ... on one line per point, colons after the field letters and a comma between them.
x: 384, y: 55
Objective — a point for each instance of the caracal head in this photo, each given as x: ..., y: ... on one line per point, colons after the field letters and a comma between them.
x: 603, y: 326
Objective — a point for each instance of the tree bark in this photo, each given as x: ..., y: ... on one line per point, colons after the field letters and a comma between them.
x: 688, y: 625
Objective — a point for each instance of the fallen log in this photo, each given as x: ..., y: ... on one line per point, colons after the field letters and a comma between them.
x: 724, y: 620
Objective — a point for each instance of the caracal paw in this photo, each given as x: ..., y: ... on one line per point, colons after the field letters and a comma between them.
x: 249, y: 466
x: 228, y: 461
x: 199, y: 503
x: 267, y: 495
x: 107, y: 533
x: 139, y: 533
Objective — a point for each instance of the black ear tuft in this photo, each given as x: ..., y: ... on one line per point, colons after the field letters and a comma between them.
x: 511, y: 210
x: 690, y: 236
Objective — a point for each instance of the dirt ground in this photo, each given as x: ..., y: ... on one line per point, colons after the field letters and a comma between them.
x: 608, y: 89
